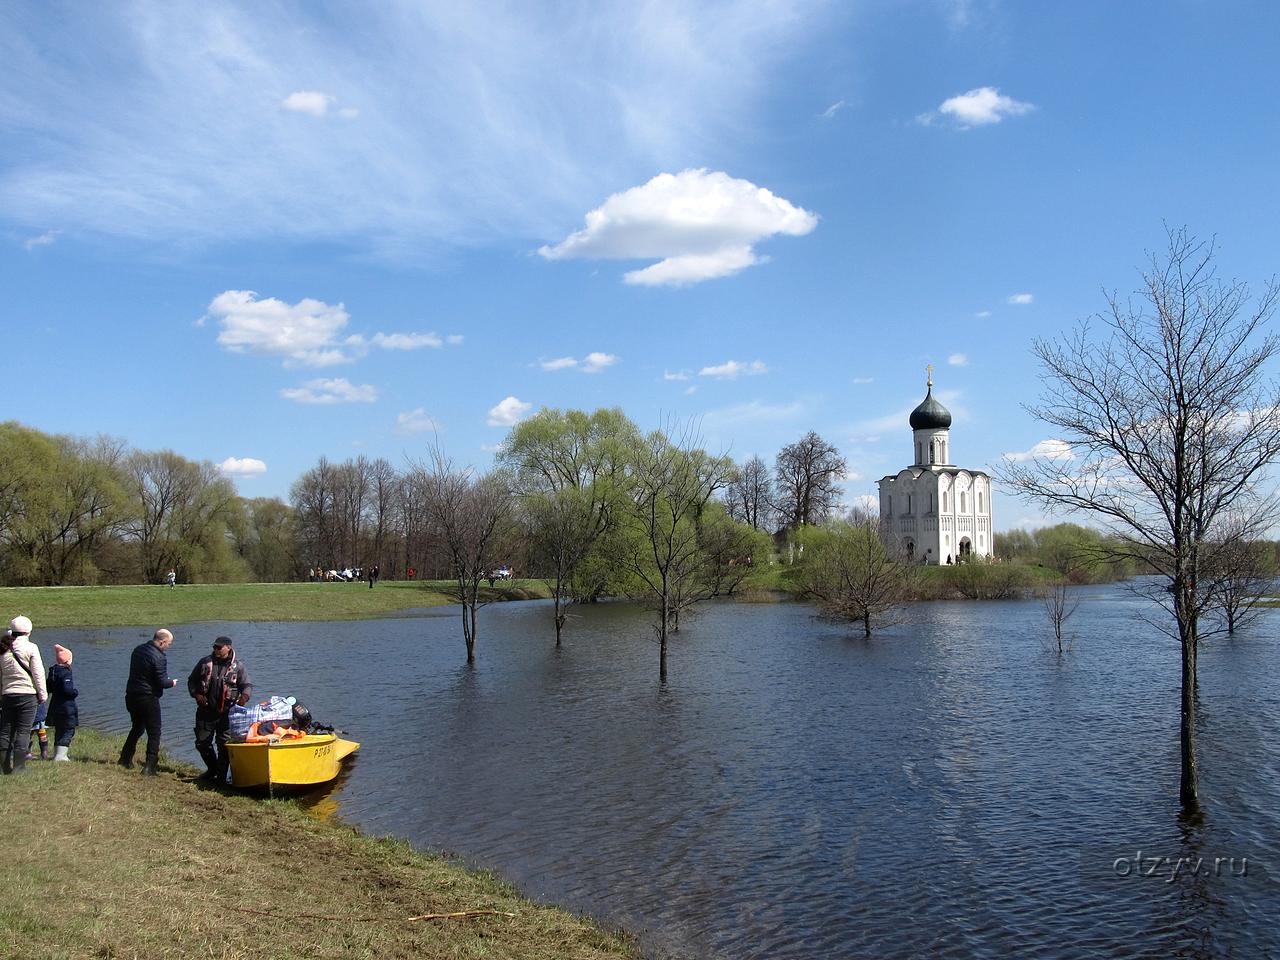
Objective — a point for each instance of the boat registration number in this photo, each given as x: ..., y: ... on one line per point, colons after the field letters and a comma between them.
x: 323, y: 751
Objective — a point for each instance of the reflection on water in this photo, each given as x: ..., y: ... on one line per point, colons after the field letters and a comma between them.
x: 953, y: 789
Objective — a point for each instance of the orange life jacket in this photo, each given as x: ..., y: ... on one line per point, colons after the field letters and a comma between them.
x: 276, y: 733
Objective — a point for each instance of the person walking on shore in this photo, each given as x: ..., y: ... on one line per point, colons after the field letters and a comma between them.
x: 218, y: 681
x: 64, y: 714
x: 148, y: 680
x: 21, y: 691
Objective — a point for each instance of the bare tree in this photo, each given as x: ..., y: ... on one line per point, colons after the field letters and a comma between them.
x: 1060, y: 602
x: 807, y: 472
x: 1167, y: 421
x: 854, y: 577
x: 749, y: 495
x: 1240, y: 572
x: 313, y: 498
x: 469, y: 516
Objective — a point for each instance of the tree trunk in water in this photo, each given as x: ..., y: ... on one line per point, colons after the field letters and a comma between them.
x: 559, y: 616
x: 1189, y: 790
x: 866, y: 625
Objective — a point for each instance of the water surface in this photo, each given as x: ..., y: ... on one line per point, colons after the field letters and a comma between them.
x: 952, y: 788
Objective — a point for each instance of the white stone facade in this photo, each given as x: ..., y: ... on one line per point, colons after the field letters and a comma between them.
x: 933, y: 511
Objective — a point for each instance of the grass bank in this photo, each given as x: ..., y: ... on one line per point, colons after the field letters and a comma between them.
x: 156, y: 605
x: 105, y: 863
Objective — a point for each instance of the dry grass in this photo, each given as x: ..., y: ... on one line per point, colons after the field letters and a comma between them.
x: 100, y: 862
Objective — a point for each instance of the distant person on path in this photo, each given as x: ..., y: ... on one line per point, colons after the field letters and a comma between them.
x: 373, y: 575
x: 171, y: 578
x: 22, y: 689
x: 148, y: 680
x: 218, y: 681
x: 64, y: 714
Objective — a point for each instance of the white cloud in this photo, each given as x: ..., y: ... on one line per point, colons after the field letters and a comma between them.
x: 982, y: 313
x: 1021, y: 299
x: 329, y: 391
x: 303, y: 333
x: 732, y: 369
x: 499, y: 147
x: 862, y: 380
x: 308, y: 101
x: 832, y: 110
x: 454, y: 339
x: 958, y: 360
x: 242, y: 467
x: 509, y: 412
x: 1044, y: 450
x: 407, y: 341
x: 595, y: 362
x: 416, y: 421
x: 979, y: 107
x: 678, y: 375
x: 690, y: 391
x: 306, y: 333
x: 46, y: 239
x: 698, y: 225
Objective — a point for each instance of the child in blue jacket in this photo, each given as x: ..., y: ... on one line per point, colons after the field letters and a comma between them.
x: 64, y: 715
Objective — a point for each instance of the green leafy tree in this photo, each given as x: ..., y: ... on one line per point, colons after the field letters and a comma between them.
x: 670, y: 486
x: 853, y: 576
x: 569, y: 470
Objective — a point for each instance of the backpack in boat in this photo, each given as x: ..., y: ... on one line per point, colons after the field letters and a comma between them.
x: 240, y: 719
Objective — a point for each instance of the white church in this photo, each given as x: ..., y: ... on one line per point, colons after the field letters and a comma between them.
x: 935, y: 511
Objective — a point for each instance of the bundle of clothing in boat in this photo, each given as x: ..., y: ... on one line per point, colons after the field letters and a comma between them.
x: 272, y: 719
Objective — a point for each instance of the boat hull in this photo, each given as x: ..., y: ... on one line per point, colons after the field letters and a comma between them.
x: 313, y: 759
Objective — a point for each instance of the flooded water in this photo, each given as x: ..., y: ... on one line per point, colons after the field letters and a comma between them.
x: 952, y: 788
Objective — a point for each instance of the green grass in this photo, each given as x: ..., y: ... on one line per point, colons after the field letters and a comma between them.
x: 164, y: 606
x: 105, y: 863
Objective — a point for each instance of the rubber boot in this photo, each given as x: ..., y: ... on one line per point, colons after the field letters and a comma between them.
x: 60, y: 753
x: 44, y: 748
x: 149, y: 769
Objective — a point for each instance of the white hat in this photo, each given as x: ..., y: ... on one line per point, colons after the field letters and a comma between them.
x: 20, y: 625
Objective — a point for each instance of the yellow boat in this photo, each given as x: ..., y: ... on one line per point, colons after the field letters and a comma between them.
x: 304, y: 762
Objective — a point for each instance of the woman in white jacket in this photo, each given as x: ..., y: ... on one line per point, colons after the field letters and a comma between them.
x: 21, y: 690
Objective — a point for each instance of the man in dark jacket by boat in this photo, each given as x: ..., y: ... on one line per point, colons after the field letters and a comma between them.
x: 148, y: 680
x: 218, y: 681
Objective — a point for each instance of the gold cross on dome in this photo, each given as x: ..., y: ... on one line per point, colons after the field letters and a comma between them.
x: 929, y: 372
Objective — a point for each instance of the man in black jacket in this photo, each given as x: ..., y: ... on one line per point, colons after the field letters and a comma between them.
x: 218, y: 681
x: 148, y: 680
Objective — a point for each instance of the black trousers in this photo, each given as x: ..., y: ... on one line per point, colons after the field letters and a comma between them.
x: 212, y: 733
x: 17, y: 712
x: 144, y: 711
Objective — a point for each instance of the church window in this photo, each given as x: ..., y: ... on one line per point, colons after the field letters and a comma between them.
x: 964, y: 502
x: 944, y: 501
x: 919, y: 455
x: 931, y: 452
x: 908, y: 503
x: 979, y: 501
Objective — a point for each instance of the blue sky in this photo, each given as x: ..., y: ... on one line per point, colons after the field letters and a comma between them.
x: 267, y: 232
